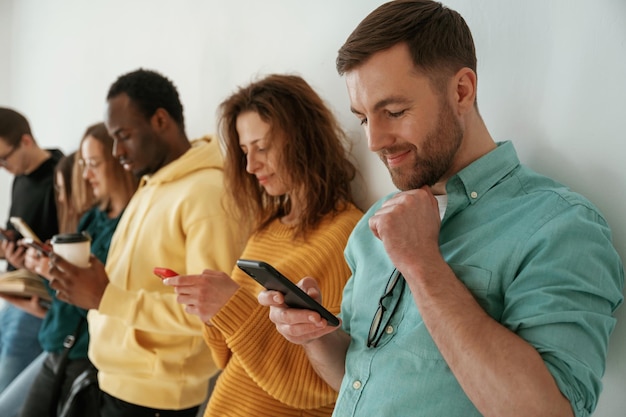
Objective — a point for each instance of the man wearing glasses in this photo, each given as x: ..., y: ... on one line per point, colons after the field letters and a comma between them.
x: 32, y: 199
x: 482, y: 288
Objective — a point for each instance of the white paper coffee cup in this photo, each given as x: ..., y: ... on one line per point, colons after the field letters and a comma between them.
x: 73, y: 247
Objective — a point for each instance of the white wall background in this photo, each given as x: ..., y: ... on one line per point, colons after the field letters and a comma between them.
x: 552, y: 79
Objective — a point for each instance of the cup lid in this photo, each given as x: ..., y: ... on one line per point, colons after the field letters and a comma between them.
x: 71, y: 238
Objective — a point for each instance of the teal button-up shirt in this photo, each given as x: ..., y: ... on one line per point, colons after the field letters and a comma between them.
x: 537, y: 257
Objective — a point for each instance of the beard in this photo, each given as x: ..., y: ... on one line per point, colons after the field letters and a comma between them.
x: 435, y: 156
x: 146, y: 155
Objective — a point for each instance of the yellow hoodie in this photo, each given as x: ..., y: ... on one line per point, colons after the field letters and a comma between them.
x: 148, y: 350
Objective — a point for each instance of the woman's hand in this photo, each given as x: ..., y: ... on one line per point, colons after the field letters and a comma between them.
x: 205, y: 294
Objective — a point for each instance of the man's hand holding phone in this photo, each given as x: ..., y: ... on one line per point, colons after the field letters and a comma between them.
x: 8, y: 235
x: 13, y: 253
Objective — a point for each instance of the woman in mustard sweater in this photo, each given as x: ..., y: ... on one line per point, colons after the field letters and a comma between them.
x: 287, y: 170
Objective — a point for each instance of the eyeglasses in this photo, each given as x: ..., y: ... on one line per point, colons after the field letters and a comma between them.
x: 5, y: 159
x: 89, y: 163
x: 377, y: 328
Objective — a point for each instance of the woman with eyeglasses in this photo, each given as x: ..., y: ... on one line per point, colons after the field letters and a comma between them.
x: 100, y: 188
x: 287, y: 169
x: 111, y: 184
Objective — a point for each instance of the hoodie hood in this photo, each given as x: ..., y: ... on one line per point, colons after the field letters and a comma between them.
x: 203, y: 154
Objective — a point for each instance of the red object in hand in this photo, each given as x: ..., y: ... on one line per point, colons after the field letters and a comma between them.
x: 164, y: 272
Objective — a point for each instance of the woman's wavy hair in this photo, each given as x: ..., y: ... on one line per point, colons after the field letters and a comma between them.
x: 313, y: 152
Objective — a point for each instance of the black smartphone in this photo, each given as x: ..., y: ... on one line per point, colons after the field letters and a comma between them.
x: 266, y: 275
x: 43, y: 248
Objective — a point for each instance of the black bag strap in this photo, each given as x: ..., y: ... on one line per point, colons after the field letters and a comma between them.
x: 89, y: 377
x: 59, y: 372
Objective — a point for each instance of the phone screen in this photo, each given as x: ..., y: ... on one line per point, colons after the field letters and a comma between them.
x: 271, y: 279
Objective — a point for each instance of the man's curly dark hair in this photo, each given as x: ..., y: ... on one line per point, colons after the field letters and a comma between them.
x: 149, y: 90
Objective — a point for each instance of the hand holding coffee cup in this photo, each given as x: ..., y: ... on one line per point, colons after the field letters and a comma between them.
x: 73, y: 247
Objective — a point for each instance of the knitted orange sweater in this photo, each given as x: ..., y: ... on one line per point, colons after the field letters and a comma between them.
x: 264, y: 374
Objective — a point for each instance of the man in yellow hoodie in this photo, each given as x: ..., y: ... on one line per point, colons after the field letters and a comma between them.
x: 149, y: 352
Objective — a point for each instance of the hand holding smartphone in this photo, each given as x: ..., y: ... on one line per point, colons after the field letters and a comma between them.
x: 42, y: 248
x: 271, y: 279
x: 164, y: 272
x: 7, y: 235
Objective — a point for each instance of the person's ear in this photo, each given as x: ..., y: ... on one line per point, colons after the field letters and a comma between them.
x: 26, y: 140
x: 161, y: 119
x: 465, y: 82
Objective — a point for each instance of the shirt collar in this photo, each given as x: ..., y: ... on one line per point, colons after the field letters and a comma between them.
x: 472, y: 182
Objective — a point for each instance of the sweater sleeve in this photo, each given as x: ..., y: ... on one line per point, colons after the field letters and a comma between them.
x: 219, y: 349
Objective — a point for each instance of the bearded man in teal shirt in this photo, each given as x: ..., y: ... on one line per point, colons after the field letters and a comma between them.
x: 482, y: 288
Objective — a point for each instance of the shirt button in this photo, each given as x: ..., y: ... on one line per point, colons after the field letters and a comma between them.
x: 389, y: 329
x: 474, y: 194
x: 356, y: 384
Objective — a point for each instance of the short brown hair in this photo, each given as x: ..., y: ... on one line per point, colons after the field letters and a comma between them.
x: 313, y: 152
x: 439, y: 40
x: 12, y: 126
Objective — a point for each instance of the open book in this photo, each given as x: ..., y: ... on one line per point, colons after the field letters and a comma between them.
x: 23, y: 283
